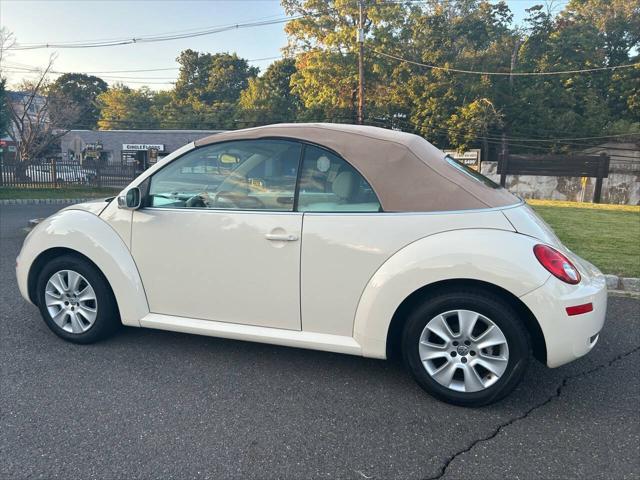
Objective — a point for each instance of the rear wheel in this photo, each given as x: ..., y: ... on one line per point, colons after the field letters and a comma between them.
x: 76, y: 301
x: 467, y: 347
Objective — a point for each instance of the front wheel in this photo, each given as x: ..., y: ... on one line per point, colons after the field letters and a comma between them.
x: 467, y: 348
x: 76, y: 301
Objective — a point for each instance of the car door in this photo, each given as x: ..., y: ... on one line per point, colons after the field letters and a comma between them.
x: 218, y: 238
x: 346, y: 238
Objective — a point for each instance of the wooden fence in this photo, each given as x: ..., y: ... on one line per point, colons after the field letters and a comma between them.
x: 556, y: 166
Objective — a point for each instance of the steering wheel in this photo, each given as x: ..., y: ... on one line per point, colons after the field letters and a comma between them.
x: 238, y: 201
x: 197, y: 201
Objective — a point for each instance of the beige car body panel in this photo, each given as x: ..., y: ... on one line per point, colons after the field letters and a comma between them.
x: 220, y: 265
x: 89, y: 235
x: 343, y: 276
x: 341, y: 254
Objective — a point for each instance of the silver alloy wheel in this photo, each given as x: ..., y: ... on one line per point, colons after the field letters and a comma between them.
x: 463, y: 350
x: 71, y: 301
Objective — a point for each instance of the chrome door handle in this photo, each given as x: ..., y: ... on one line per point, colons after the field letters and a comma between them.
x: 281, y: 237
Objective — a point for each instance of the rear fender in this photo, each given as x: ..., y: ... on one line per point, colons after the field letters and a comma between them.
x: 498, y: 257
x: 87, y: 234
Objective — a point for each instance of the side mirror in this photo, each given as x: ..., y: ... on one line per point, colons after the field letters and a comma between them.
x: 131, y: 200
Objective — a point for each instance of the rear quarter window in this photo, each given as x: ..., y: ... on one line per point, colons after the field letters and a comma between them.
x: 477, y: 176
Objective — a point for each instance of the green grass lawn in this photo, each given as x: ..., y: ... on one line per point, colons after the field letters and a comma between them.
x: 606, y: 235
x: 67, y: 192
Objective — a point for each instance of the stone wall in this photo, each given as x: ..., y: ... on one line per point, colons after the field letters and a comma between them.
x: 621, y: 187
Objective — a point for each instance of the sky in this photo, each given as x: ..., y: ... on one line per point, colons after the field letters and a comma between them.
x: 52, y: 21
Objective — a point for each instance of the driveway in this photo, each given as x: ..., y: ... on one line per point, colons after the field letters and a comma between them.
x: 153, y: 404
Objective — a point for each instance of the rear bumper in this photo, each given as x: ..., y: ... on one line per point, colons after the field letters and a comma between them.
x: 569, y: 337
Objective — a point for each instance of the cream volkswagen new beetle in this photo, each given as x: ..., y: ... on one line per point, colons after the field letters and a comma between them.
x: 341, y: 238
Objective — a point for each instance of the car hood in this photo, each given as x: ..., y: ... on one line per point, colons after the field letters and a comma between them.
x: 94, y: 206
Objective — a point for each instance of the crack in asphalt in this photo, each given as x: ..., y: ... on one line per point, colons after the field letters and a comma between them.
x: 502, y: 426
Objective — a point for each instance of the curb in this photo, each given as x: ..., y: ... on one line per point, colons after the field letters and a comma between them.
x: 624, y: 293
x: 623, y: 284
x: 41, y: 201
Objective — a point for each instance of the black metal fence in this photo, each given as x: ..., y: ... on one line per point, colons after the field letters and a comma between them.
x: 60, y: 174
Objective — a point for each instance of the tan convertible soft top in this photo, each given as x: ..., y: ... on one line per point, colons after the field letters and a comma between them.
x: 407, y: 173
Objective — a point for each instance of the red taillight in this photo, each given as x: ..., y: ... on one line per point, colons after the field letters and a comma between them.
x: 580, y: 309
x: 558, y: 265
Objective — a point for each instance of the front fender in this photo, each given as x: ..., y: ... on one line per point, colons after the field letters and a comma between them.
x: 89, y: 235
x: 499, y: 257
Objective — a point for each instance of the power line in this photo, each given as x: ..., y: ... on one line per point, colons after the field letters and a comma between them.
x: 520, y: 74
x: 511, y: 141
x: 124, y: 78
x: 187, y: 30
x: 153, y: 38
x: 562, y: 141
x: 33, y: 68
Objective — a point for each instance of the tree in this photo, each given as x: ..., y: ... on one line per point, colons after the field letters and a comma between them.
x: 25, y: 114
x: 32, y: 129
x: 472, y: 121
x: 212, y: 78
x: 4, y: 111
x: 82, y: 90
x: 462, y: 110
x: 126, y: 108
x: 587, y: 34
x: 269, y: 99
x: 324, y: 41
x: 207, y: 90
x: 6, y: 41
x: 457, y: 110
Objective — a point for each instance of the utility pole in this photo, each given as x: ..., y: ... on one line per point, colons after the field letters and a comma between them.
x: 360, y: 65
x: 506, y: 130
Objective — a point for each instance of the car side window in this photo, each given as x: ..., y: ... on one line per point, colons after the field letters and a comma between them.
x: 240, y: 175
x: 329, y: 184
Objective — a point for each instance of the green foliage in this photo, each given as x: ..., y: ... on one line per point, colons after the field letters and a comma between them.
x: 269, y: 99
x: 469, y: 110
x: 212, y: 78
x: 470, y: 120
x: 122, y: 107
x: 325, y: 44
x: 318, y: 79
x: 82, y: 92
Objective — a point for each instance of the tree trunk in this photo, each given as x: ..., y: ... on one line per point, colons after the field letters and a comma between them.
x: 20, y: 169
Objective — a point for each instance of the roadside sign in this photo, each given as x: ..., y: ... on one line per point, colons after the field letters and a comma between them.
x: 136, y: 147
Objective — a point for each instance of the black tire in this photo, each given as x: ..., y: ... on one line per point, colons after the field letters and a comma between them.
x: 107, y: 319
x: 484, y: 303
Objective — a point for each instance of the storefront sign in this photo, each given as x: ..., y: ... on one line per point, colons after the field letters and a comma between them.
x: 153, y: 156
x: 470, y: 158
x: 136, y: 147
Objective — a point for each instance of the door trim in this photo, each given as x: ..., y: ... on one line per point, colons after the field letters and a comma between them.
x: 237, y: 331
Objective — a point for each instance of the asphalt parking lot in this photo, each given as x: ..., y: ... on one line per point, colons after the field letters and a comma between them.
x: 153, y: 404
